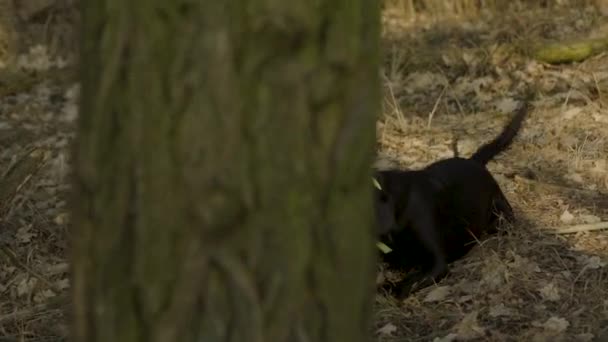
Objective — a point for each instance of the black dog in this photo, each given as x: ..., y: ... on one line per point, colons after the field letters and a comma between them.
x: 431, y: 217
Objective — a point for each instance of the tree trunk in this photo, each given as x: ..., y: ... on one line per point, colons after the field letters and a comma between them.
x: 222, y: 181
x: 8, y: 34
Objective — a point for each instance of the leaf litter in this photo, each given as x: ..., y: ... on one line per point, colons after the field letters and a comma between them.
x: 532, y: 282
x: 37, y: 125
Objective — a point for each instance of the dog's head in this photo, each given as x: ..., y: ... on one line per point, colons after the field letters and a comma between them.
x: 384, y: 206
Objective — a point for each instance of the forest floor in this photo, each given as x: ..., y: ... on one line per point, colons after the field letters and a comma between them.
x: 38, y: 108
x: 457, y: 79
x: 463, y: 80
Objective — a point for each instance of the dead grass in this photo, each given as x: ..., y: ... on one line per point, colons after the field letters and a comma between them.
x: 457, y: 80
x: 36, y: 126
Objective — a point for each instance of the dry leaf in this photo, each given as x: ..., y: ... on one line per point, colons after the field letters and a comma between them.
x: 25, y: 234
x: 63, y: 283
x: 494, y: 274
x: 448, y: 338
x: 507, y: 105
x: 599, y: 167
x: 387, y: 329
x: 592, y: 262
x: 501, y: 310
x: 566, y: 217
x: 588, y: 218
x: 550, y: 292
x: 469, y: 328
x: 556, y: 325
x: 585, y: 337
x: 571, y: 113
x: 26, y: 286
x: 437, y: 294
x: 524, y: 264
x: 600, y: 117
x: 56, y: 269
x: 466, y: 298
x: 62, y: 219
x: 423, y: 81
x: 43, y: 296
x: 576, y: 177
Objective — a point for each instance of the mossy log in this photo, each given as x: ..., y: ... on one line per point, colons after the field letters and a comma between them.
x: 570, y: 52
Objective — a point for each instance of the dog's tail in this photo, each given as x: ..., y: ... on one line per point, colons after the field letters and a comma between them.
x: 490, y: 150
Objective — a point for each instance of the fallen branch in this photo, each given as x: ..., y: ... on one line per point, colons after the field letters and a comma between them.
x: 570, y: 52
x: 580, y: 228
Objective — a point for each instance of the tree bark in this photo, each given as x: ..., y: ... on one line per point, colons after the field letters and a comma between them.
x: 8, y: 34
x: 222, y: 171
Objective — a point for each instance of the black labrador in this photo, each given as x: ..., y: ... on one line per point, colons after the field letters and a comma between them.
x: 431, y: 217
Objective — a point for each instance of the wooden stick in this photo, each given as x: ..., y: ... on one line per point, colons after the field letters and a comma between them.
x: 580, y: 228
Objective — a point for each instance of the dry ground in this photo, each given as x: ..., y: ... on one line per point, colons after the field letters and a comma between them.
x: 37, y: 112
x: 456, y: 79
x: 461, y: 80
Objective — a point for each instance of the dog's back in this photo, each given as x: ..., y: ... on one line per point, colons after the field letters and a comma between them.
x: 470, y: 188
x: 469, y: 197
x: 427, y: 216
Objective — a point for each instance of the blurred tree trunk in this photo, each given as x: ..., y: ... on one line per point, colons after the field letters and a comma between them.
x: 222, y: 171
x: 8, y: 34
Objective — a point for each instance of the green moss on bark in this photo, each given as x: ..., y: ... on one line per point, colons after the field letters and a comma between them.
x: 222, y: 178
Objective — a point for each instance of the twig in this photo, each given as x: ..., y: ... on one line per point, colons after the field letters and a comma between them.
x: 432, y: 113
x: 16, y: 176
x: 395, y: 104
x: 597, y: 88
x: 558, y: 187
x: 455, y: 145
x: 580, y: 228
